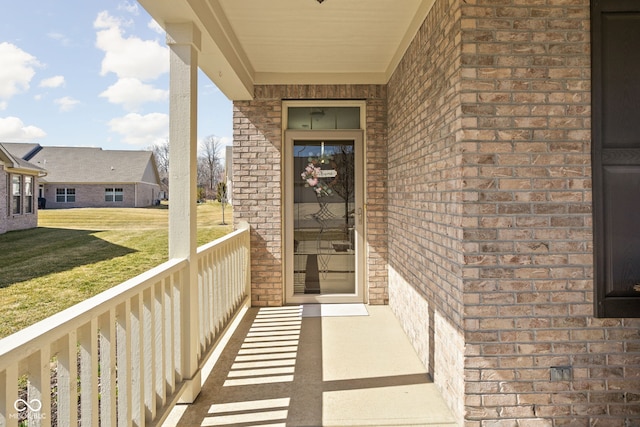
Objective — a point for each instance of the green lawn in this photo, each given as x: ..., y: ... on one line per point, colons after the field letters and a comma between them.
x: 77, y: 253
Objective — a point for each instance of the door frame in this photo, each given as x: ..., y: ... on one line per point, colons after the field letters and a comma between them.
x: 357, y: 136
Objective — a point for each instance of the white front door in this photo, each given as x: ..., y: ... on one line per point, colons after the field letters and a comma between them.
x: 324, y: 217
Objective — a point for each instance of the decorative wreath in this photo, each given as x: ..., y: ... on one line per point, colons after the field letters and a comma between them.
x: 312, y: 177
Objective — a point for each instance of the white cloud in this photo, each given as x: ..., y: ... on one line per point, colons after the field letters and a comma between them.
x: 64, y: 40
x: 153, y: 25
x: 131, y: 7
x: 105, y: 21
x: 141, y: 130
x: 13, y: 129
x: 17, y: 68
x: 132, y: 93
x: 52, y: 82
x: 66, y: 103
x: 128, y: 56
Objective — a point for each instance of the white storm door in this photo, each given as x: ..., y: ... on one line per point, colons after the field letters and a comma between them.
x: 324, y: 217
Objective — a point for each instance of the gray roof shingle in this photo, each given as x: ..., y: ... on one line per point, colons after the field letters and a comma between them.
x: 17, y: 161
x: 87, y: 164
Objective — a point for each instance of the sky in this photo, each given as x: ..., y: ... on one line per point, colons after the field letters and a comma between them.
x: 92, y: 73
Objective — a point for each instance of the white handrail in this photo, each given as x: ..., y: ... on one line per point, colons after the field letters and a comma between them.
x: 116, y: 356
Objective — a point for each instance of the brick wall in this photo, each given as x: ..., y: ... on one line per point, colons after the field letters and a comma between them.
x: 9, y: 221
x: 425, y: 183
x: 146, y: 194
x: 528, y: 256
x: 376, y: 195
x: 500, y: 240
x: 257, y: 195
x: 92, y: 195
x: 3, y: 200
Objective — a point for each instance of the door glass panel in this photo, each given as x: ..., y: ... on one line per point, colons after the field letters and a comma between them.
x: 324, y: 211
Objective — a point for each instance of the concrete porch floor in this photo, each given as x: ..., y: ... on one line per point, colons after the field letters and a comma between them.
x: 283, y: 368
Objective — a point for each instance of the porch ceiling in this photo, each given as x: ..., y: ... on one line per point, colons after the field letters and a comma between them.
x: 252, y: 42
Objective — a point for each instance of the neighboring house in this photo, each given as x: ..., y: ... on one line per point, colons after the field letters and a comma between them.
x: 18, y: 184
x: 496, y: 157
x: 93, y: 177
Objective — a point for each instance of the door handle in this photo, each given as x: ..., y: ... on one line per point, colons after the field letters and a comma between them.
x: 359, y: 212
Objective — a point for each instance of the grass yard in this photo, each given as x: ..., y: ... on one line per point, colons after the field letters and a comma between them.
x: 77, y: 253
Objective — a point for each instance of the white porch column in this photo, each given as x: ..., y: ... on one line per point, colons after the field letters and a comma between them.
x: 184, y: 42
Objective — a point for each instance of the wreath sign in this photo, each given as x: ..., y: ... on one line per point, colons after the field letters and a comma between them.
x: 313, y: 177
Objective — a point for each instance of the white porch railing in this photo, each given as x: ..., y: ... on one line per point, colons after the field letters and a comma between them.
x: 114, y: 359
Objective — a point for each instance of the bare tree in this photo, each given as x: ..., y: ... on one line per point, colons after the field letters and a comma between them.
x: 210, y: 164
x: 161, y: 156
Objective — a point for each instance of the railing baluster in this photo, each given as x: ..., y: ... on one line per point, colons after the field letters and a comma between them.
x: 228, y: 282
x: 246, y: 267
x: 88, y: 339
x: 123, y: 358
x: 67, y: 376
x: 203, y: 308
x: 221, y: 283
x: 160, y: 360
x: 9, y: 385
x: 233, y: 261
x: 233, y: 271
x: 137, y: 389
x: 108, y: 388
x: 176, y: 284
x: 209, y: 295
x: 39, y: 389
x: 148, y: 354
x: 211, y: 327
x: 215, y: 290
x: 169, y: 347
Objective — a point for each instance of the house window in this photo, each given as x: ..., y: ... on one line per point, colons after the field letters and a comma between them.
x: 65, y: 195
x: 616, y: 157
x: 113, y: 195
x: 16, y: 191
x: 28, y: 194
